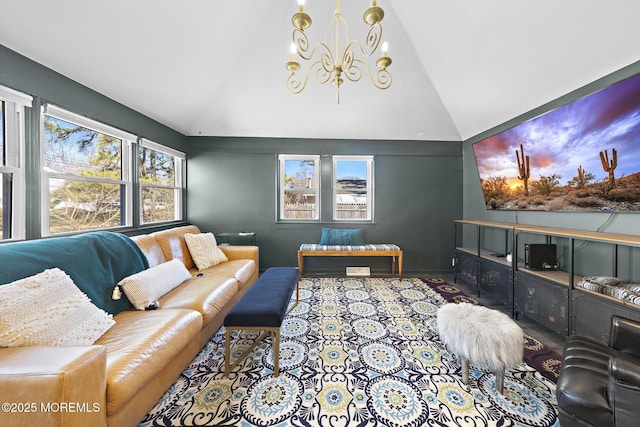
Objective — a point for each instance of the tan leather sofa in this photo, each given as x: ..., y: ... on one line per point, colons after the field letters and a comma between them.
x: 119, y: 379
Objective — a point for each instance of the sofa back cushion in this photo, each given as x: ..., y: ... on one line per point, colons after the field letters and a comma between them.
x: 149, y: 245
x: 173, y: 245
x: 94, y: 261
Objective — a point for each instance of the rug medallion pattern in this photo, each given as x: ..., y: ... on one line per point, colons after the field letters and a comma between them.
x: 354, y: 352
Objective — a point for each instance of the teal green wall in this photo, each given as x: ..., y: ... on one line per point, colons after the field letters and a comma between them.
x: 418, y: 188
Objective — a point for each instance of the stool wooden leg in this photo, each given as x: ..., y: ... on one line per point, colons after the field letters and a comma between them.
x: 227, y: 352
x: 300, y: 263
x: 275, y: 338
x: 500, y: 380
x: 465, y: 370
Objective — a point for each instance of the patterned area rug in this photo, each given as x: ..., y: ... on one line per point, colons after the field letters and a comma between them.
x: 354, y: 352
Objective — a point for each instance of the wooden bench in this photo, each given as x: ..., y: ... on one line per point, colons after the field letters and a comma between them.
x: 379, y: 249
x: 262, y: 308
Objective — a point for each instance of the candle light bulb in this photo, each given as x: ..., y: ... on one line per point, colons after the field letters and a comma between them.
x: 385, y: 48
x: 293, y: 49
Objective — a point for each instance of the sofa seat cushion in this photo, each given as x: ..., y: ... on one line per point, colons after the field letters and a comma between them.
x: 207, y: 294
x: 584, y: 379
x: 140, y: 345
x: 240, y: 269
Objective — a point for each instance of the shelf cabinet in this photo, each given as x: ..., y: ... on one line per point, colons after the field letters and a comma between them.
x: 592, y: 314
x: 466, y: 267
x: 548, y: 297
x: 543, y: 301
x: 495, y: 281
x: 481, y: 259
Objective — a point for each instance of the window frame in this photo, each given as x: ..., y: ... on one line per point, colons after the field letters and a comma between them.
x: 126, y: 181
x: 280, y: 213
x: 178, y: 187
x: 369, y: 189
x: 14, y: 148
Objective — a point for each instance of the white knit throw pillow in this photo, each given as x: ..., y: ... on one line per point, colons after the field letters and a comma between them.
x: 144, y: 288
x: 204, y: 250
x: 48, y: 309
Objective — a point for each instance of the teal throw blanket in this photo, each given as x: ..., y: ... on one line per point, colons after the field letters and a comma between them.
x: 95, y: 261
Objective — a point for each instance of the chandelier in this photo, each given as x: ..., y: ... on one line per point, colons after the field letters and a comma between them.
x: 337, y: 56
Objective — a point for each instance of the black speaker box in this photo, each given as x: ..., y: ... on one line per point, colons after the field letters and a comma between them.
x: 540, y: 256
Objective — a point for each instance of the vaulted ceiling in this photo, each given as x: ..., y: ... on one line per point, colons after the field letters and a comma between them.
x: 211, y: 67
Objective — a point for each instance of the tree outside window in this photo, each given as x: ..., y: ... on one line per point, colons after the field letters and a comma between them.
x: 87, y: 183
x: 299, y: 187
x: 160, y: 183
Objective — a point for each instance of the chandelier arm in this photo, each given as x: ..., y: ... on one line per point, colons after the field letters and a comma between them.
x: 382, y: 78
x: 322, y: 74
x: 301, y: 43
x: 366, y: 51
x: 372, y: 40
x: 352, y: 67
x: 326, y: 57
x: 296, y: 82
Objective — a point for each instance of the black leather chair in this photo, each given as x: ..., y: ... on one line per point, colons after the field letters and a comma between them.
x: 599, y: 385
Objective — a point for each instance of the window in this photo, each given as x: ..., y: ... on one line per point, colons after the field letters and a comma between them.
x: 12, y: 191
x: 352, y: 188
x: 299, y: 186
x: 160, y: 183
x: 87, y: 178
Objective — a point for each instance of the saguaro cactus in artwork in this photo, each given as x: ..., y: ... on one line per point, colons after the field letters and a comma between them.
x: 581, y: 180
x: 523, y: 169
x: 609, y: 166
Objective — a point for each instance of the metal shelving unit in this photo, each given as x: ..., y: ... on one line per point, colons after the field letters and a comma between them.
x: 549, y: 298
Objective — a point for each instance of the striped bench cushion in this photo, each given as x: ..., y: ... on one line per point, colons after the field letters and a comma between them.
x: 613, y: 287
x: 329, y: 248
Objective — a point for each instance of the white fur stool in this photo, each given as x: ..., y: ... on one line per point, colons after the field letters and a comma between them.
x: 483, y: 336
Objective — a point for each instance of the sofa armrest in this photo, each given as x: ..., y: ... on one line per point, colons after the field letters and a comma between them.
x: 625, y: 369
x: 625, y: 336
x: 241, y: 252
x: 624, y: 389
x: 53, y: 386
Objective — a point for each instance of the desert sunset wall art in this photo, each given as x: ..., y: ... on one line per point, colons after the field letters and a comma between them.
x: 583, y: 156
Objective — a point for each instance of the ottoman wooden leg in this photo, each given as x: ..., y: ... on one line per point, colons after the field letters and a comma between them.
x: 227, y: 352
x: 500, y: 380
x: 275, y: 339
x: 465, y: 370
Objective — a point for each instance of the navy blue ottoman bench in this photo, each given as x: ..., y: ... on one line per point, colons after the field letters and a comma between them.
x: 262, y: 308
